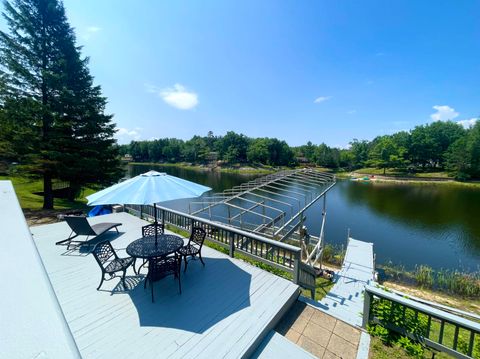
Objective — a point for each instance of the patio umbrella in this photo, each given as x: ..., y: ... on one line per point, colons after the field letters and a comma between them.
x: 148, y: 188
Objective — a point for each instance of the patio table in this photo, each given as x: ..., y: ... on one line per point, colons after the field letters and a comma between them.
x: 146, y: 248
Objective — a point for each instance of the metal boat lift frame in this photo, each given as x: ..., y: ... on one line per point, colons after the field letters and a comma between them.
x: 294, y: 190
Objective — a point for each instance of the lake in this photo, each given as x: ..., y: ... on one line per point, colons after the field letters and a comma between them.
x: 409, y: 224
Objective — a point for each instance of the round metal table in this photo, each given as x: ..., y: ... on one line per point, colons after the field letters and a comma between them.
x: 146, y: 248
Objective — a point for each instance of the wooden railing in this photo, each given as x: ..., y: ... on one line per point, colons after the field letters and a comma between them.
x: 276, y: 254
x: 443, y: 329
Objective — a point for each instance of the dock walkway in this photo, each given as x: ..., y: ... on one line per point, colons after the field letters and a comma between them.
x: 345, y: 300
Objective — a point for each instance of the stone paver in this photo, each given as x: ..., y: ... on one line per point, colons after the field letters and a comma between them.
x: 324, y: 320
x: 311, y: 347
x: 329, y: 355
x: 347, y: 332
x: 342, y: 348
x: 318, y: 333
x: 299, y: 324
x: 293, y: 335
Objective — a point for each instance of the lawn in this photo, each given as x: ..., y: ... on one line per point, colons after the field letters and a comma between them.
x: 399, y: 173
x: 25, y: 188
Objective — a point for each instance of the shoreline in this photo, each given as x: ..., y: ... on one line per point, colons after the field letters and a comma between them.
x: 264, y: 170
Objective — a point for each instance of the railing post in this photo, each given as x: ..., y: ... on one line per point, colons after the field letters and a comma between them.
x: 163, y: 218
x: 141, y: 211
x: 367, y: 301
x: 296, y: 268
x: 232, y: 245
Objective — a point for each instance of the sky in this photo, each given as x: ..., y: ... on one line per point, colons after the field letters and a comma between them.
x: 320, y: 71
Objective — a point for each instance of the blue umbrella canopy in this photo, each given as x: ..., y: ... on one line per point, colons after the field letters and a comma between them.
x: 148, y: 188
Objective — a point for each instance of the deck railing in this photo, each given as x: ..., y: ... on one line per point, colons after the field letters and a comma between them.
x: 276, y: 254
x: 445, y: 330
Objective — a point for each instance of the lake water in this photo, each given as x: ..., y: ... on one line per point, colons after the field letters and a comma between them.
x: 434, y: 224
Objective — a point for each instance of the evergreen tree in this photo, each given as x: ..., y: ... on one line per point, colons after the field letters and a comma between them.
x: 52, y: 115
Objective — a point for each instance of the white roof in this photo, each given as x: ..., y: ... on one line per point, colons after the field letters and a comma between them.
x: 32, y: 324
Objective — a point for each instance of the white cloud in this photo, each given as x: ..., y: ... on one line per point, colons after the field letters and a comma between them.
x: 444, y: 113
x: 322, y: 99
x: 125, y: 135
x: 178, y: 96
x: 468, y: 123
x: 90, y: 31
x: 351, y: 112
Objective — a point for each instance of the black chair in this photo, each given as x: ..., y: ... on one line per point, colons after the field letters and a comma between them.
x: 161, y: 267
x: 149, y: 229
x: 109, y: 261
x: 194, y: 245
x: 80, y: 227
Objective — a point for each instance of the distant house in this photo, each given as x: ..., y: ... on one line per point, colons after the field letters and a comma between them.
x: 302, y: 160
x: 127, y: 158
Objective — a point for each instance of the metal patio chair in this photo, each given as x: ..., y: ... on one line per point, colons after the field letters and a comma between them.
x: 80, y: 227
x: 160, y: 267
x: 109, y: 261
x: 150, y: 229
x: 194, y: 245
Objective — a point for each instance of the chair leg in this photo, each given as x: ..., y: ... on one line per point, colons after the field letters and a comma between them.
x: 123, y: 278
x: 151, y: 285
x: 186, y: 262
x: 133, y: 265
x: 201, y: 259
x: 101, y: 282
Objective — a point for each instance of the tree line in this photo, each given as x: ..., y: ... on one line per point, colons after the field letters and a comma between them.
x: 438, y: 146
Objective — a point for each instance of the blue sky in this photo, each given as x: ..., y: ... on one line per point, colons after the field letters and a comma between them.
x: 324, y: 71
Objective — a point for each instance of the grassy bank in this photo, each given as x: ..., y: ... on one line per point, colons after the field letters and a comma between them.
x: 225, y: 169
x: 25, y: 188
x: 395, y: 176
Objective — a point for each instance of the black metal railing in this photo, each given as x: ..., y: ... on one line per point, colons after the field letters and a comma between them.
x: 444, y: 329
x: 276, y: 254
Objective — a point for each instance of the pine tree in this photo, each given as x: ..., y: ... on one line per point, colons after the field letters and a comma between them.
x: 52, y: 115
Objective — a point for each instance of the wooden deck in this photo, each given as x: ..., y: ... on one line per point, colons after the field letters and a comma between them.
x: 345, y: 300
x: 225, y: 310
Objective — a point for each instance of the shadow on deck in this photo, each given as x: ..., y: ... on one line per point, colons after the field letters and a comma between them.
x: 226, y: 308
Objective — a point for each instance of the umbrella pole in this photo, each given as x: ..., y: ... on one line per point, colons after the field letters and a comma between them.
x: 155, y: 223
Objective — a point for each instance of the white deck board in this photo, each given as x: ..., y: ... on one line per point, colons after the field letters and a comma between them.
x: 224, y: 308
x: 276, y: 346
x: 345, y: 300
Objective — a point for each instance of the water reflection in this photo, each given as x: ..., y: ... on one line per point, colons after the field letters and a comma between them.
x: 435, y: 225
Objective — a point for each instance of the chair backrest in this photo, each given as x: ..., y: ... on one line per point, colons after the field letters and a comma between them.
x: 159, y: 267
x: 80, y: 225
x: 103, y: 252
x: 149, y: 229
x: 198, y: 236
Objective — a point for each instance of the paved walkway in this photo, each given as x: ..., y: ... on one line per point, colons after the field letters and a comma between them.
x: 320, y: 334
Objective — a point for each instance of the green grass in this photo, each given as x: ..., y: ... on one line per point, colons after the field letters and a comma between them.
x: 451, y: 282
x: 381, y: 350
x: 25, y: 189
x: 416, y: 324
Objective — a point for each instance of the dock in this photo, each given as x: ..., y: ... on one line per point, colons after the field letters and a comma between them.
x: 345, y: 300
